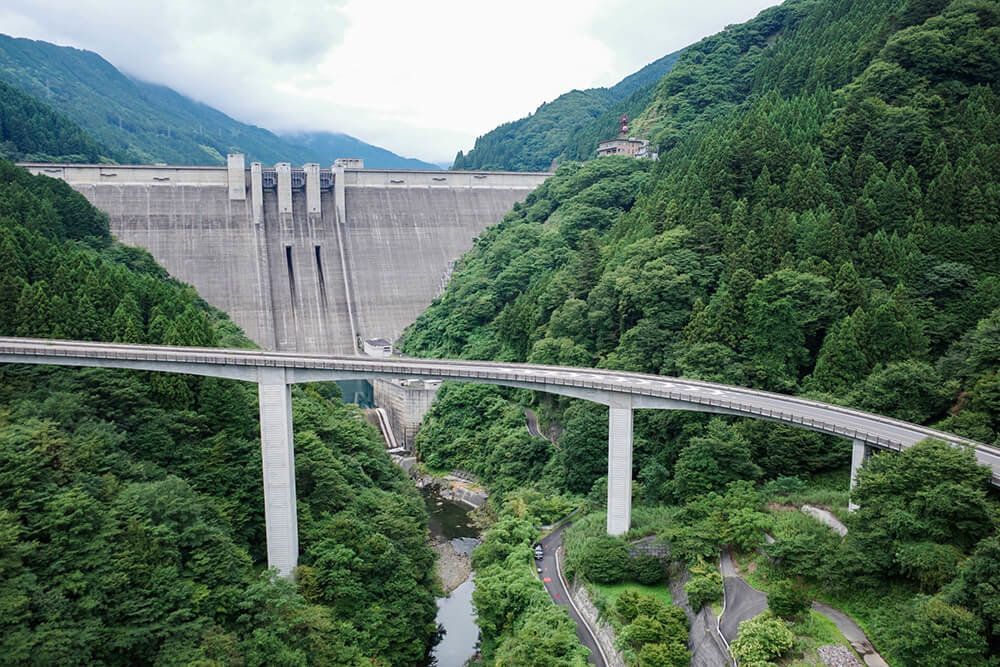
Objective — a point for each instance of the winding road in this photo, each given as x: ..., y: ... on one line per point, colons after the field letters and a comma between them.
x: 554, y: 583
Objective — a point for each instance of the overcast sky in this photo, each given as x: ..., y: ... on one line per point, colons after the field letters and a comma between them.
x: 422, y: 78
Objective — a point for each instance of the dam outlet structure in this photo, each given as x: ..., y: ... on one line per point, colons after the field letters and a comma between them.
x: 303, y: 259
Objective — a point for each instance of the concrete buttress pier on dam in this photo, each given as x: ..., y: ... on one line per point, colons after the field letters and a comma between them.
x: 305, y: 259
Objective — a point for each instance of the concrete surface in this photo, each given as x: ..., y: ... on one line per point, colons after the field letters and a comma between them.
x: 704, y: 642
x: 304, y: 259
x: 742, y: 601
x: 826, y: 517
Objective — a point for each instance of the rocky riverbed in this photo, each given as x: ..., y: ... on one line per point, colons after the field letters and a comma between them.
x: 453, y: 567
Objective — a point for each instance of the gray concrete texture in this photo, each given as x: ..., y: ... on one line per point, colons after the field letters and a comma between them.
x: 293, y: 281
x: 402, y: 242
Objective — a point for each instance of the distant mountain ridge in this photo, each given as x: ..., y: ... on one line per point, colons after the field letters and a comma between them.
x: 568, y: 127
x: 143, y: 122
x: 344, y: 145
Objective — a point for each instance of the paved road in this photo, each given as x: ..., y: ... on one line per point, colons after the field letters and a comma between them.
x: 853, y: 633
x: 707, y: 649
x: 743, y: 601
x: 531, y: 420
x: 553, y: 584
x: 641, y: 390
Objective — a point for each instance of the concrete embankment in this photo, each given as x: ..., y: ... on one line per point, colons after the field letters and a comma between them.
x: 452, y: 487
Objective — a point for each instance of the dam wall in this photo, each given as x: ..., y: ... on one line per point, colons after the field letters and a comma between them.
x: 303, y: 259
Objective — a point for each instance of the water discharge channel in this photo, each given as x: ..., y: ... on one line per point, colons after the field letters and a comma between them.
x: 452, y: 528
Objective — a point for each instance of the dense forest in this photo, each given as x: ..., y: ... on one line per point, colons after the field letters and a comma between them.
x: 822, y: 221
x: 568, y: 127
x: 144, y: 123
x: 30, y: 130
x: 132, y: 524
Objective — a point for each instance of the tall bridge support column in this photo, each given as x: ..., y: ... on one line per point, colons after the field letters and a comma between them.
x: 859, y: 452
x: 278, y: 456
x: 619, y: 463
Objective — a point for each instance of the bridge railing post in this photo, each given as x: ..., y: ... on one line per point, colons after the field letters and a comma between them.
x: 278, y: 458
x: 619, y: 463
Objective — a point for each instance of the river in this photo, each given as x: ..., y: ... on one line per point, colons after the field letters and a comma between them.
x: 451, y: 527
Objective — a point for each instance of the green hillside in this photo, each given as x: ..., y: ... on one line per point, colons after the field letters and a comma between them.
x: 30, y: 130
x: 146, y: 123
x: 571, y: 124
x: 131, y: 512
x: 823, y: 221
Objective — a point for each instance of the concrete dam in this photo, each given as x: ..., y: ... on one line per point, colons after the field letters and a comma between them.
x: 303, y: 259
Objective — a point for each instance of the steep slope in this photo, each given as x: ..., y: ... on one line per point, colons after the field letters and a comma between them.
x: 564, y: 125
x: 823, y: 221
x: 30, y: 130
x: 143, y: 122
x: 131, y: 514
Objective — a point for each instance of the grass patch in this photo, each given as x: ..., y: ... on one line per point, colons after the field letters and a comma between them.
x: 788, y: 523
x: 651, y: 520
x: 755, y: 569
x: 612, y: 591
x: 829, y: 489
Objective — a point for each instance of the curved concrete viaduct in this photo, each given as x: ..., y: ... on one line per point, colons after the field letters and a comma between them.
x: 622, y: 392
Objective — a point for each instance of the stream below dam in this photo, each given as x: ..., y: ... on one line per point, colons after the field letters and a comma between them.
x: 454, y: 537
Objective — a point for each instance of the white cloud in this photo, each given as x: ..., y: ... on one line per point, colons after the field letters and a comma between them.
x: 420, y: 78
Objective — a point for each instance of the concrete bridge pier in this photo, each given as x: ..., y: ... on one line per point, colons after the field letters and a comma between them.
x: 859, y: 452
x: 278, y: 457
x: 619, y: 463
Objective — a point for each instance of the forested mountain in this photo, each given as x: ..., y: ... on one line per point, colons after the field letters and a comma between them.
x: 30, y: 130
x: 823, y: 220
x: 146, y: 123
x: 571, y: 124
x: 131, y: 513
x: 344, y: 145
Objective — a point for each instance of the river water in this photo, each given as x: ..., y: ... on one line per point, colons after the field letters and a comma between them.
x: 449, y: 521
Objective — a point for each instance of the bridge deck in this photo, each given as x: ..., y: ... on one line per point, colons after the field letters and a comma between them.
x: 644, y: 391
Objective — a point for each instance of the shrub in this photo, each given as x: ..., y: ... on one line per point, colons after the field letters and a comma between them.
x: 788, y: 598
x: 783, y: 486
x: 647, y: 569
x: 705, y: 586
x: 664, y: 655
x: 603, y: 560
x: 627, y: 605
x: 761, y: 639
